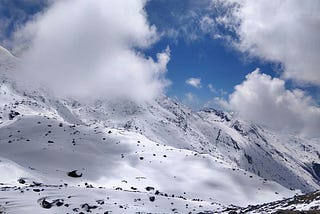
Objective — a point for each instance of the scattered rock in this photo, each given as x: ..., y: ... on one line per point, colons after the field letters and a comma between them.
x: 45, y: 204
x: 152, y: 198
x: 100, y: 202
x: 21, y: 181
x: 74, y: 174
x: 88, y: 207
x: 58, y: 202
x: 149, y: 188
x: 13, y: 114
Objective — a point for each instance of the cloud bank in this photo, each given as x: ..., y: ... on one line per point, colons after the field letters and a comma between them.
x: 90, y: 48
x: 281, y: 31
x: 265, y: 100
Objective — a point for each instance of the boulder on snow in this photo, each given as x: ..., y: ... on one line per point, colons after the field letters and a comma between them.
x: 13, y: 114
x: 74, y: 174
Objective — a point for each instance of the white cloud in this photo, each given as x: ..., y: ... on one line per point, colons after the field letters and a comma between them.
x: 182, y: 19
x: 191, y: 100
x: 15, y: 14
x: 281, y: 31
x: 88, y: 48
x: 284, y: 32
x: 195, y: 82
x: 217, y: 103
x: 190, y: 97
x: 207, y: 24
x: 211, y: 88
x: 265, y: 100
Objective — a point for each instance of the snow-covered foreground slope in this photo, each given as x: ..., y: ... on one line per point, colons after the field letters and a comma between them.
x: 40, y: 149
x: 157, y: 157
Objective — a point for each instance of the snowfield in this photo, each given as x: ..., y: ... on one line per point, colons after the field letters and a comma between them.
x: 43, y: 150
x: 107, y: 156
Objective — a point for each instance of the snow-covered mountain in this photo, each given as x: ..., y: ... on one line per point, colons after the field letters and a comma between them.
x: 307, y: 203
x: 65, y: 156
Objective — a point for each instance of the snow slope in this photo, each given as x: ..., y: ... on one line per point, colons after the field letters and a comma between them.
x: 44, y: 149
x: 285, y: 158
x: 157, y: 157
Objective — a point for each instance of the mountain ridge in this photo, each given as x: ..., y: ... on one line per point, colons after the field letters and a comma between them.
x: 209, y: 158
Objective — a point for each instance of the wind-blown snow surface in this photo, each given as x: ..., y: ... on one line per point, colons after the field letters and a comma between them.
x: 157, y: 157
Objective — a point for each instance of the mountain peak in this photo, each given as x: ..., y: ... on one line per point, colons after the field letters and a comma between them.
x: 222, y: 114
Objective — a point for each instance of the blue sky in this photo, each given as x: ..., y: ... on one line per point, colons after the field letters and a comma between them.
x: 195, y: 52
x: 16, y: 12
x: 208, y: 59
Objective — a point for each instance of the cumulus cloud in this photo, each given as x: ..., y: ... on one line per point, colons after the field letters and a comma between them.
x: 90, y: 48
x: 265, y: 100
x: 195, y: 82
x: 280, y: 31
